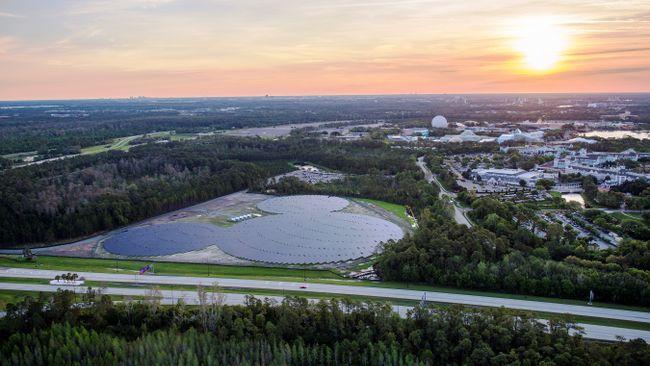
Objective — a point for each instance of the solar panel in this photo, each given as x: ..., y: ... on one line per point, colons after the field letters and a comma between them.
x: 305, y: 229
x: 163, y: 239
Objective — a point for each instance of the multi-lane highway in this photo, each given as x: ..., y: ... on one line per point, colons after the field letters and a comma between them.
x: 191, y: 297
x: 346, y: 289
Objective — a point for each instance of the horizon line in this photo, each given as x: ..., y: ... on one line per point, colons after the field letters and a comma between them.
x: 318, y: 96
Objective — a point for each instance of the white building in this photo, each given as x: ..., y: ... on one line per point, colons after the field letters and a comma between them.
x: 517, y: 135
x: 416, y: 132
x: 586, y: 163
x: 499, y: 177
x: 439, y: 122
x: 536, y: 150
x: 466, y: 136
x: 401, y: 138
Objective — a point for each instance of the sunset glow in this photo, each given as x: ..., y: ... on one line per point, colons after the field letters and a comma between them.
x: 541, y: 44
x: 119, y: 48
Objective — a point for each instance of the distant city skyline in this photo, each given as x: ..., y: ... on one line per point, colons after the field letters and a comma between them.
x: 65, y: 49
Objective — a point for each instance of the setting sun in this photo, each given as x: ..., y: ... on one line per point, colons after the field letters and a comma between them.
x: 541, y: 44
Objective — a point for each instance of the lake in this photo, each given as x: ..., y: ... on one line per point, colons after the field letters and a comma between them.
x: 641, y: 135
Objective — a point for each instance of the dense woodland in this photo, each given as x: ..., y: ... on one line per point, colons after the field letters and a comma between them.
x: 50, y: 330
x: 511, y: 249
x: 502, y: 253
x: 70, y: 198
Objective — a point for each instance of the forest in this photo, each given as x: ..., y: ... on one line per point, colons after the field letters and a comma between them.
x: 49, y: 329
x: 502, y: 253
x: 56, y: 127
x: 71, y: 198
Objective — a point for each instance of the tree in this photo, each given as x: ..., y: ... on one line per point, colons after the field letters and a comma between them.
x: 153, y: 297
x: 544, y: 184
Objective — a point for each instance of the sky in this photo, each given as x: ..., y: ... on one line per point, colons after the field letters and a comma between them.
x: 66, y: 49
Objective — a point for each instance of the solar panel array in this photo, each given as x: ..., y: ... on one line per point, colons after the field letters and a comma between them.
x: 303, y: 204
x: 164, y: 239
x: 304, y: 230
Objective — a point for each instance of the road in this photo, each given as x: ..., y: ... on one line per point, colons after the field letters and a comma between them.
x: 367, y: 291
x: 459, y: 213
x: 191, y: 298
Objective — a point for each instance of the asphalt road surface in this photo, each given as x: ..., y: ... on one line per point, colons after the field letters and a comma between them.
x: 191, y: 298
x: 459, y: 214
x: 368, y: 291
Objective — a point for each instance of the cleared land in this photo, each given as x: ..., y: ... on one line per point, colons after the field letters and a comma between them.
x: 217, y: 213
x: 123, y: 143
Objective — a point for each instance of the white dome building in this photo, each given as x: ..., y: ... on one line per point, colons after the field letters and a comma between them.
x: 439, y: 122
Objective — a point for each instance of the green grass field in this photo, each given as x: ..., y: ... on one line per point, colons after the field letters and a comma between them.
x: 122, y: 143
x: 117, y: 144
x: 396, y: 209
x: 168, y: 268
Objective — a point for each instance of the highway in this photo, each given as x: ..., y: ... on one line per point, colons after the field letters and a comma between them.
x: 459, y: 213
x: 367, y: 291
x: 191, y: 298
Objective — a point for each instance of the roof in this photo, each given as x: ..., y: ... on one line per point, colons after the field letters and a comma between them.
x: 500, y: 171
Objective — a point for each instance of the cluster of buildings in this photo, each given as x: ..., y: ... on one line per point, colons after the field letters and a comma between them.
x: 604, y: 166
x: 514, y: 177
x: 469, y: 134
x: 466, y: 136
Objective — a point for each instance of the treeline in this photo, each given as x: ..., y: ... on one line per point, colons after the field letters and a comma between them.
x: 99, y: 121
x: 618, y: 145
x: 45, y: 206
x: 74, y: 197
x: 511, y: 250
x: 638, y: 190
x: 407, y: 188
x: 359, y: 157
x: 51, y: 330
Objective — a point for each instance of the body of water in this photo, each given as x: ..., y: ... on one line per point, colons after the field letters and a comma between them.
x: 641, y: 135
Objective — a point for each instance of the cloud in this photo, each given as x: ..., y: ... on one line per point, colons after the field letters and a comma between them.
x: 9, y: 15
x: 610, y: 51
x: 107, y: 6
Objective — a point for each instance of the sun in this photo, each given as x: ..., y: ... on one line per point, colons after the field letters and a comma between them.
x: 541, y: 43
